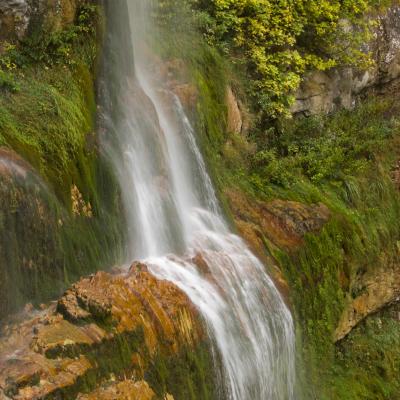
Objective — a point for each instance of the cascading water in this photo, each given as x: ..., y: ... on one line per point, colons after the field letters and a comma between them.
x: 176, y: 225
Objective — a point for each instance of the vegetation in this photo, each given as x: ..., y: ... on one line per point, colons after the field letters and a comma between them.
x: 368, y: 361
x: 345, y: 161
x: 276, y: 42
x: 64, y: 218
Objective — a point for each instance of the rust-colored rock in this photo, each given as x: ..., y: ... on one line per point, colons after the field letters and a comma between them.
x: 55, y: 351
x: 283, y: 223
x: 126, y: 390
x: 276, y: 223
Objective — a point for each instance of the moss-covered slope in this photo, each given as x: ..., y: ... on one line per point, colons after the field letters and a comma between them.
x: 60, y: 207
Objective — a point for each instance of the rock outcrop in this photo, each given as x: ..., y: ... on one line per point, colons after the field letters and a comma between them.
x: 283, y: 223
x: 325, y: 92
x: 108, y: 337
x: 278, y: 223
x: 377, y: 290
x: 18, y: 18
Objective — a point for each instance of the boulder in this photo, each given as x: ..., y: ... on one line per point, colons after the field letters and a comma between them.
x: 105, y: 328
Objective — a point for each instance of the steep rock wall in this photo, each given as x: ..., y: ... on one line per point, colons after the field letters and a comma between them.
x: 325, y: 92
x: 21, y: 18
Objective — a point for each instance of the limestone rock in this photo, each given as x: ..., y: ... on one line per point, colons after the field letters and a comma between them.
x: 19, y: 17
x: 324, y: 92
x: 105, y: 326
x: 379, y: 289
x: 126, y: 390
x: 14, y: 18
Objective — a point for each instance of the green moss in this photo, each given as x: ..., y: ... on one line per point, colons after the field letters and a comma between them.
x: 368, y: 360
x: 47, y: 122
x: 345, y: 162
x: 47, y: 116
x: 188, y: 375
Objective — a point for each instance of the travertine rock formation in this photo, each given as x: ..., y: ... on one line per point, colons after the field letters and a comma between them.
x: 101, y: 340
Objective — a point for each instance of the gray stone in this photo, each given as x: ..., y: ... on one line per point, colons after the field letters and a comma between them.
x: 327, y: 91
x: 14, y: 18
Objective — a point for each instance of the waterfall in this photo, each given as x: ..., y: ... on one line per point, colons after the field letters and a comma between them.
x: 176, y: 225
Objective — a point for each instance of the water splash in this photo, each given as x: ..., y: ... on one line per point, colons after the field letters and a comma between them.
x: 176, y: 225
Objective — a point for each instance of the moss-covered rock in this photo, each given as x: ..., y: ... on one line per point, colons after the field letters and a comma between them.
x: 105, y: 328
x: 60, y: 203
x: 18, y: 19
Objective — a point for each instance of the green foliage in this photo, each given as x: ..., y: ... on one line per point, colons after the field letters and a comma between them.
x: 47, y: 120
x: 279, y: 41
x: 47, y: 111
x: 368, y: 361
x: 47, y: 102
x: 276, y: 42
x: 324, y: 148
x: 8, y: 83
x: 343, y: 161
x: 55, y: 46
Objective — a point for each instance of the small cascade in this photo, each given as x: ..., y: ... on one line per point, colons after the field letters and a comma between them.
x: 176, y: 225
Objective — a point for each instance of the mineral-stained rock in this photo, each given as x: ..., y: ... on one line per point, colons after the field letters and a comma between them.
x: 283, y: 222
x: 104, y: 328
x: 280, y: 223
x: 126, y: 390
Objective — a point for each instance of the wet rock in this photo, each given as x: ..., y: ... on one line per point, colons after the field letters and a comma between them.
x: 276, y: 223
x: 105, y: 326
x: 282, y: 222
x: 187, y: 94
x: 126, y: 390
x: 28, y: 226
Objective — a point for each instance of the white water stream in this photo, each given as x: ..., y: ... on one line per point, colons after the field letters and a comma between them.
x: 174, y: 218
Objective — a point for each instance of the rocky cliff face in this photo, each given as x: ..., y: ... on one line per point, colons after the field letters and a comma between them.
x: 18, y: 18
x: 324, y: 92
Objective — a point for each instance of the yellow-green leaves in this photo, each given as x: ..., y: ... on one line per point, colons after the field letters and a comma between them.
x: 281, y: 39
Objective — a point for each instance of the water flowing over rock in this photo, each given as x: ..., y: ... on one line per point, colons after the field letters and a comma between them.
x: 178, y: 228
x: 104, y: 329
